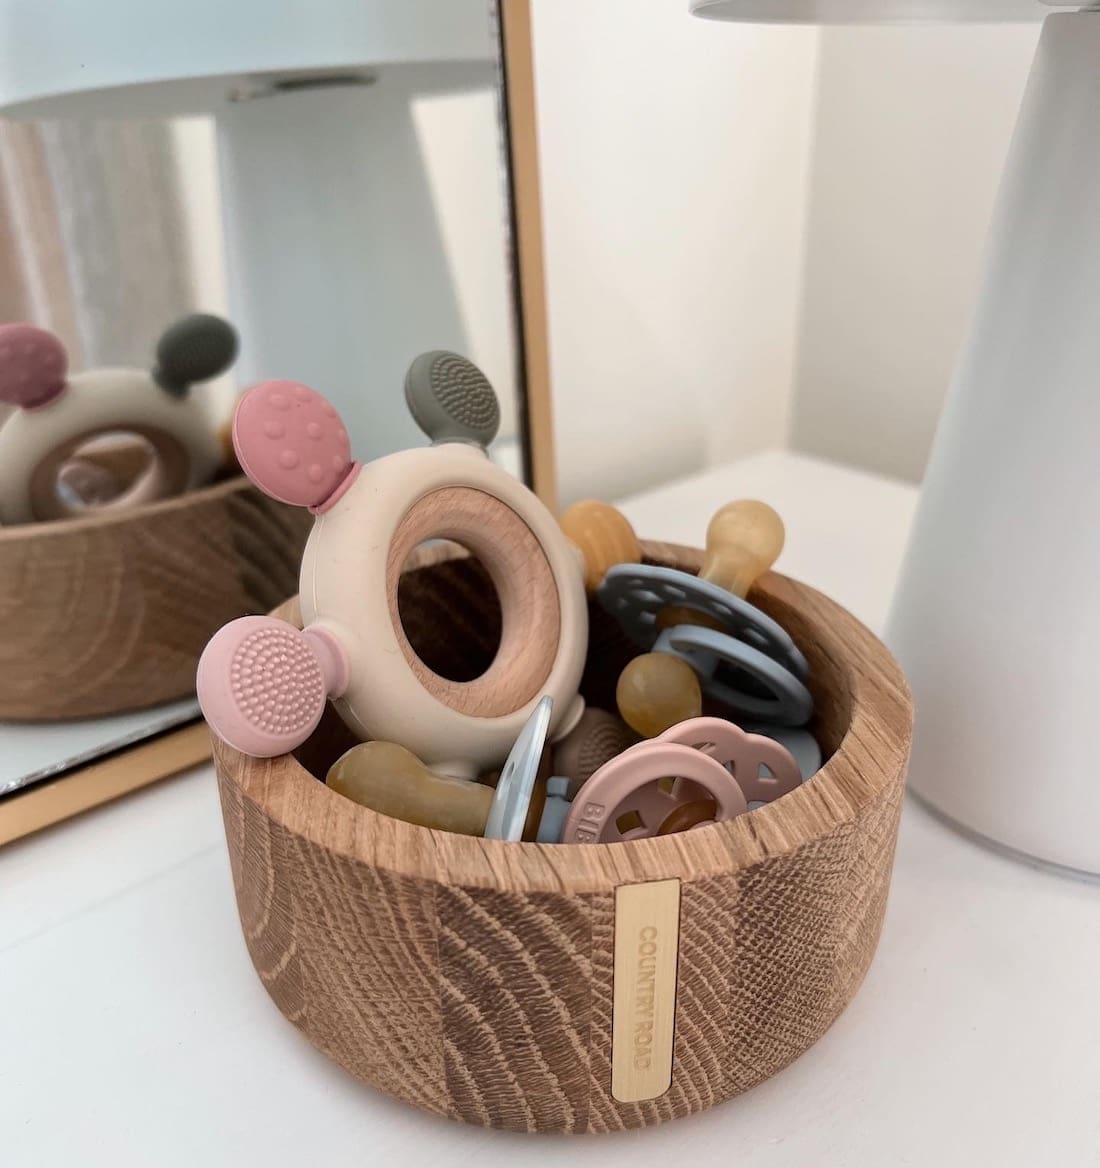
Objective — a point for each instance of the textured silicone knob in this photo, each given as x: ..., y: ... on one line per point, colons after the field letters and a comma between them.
x: 33, y: 364
x: 262, y: 683
x: 451, y: 400
x: 291, y: 443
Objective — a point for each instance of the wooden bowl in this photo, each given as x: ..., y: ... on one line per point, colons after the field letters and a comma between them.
x: 109, y: 613
x: 476, y: 979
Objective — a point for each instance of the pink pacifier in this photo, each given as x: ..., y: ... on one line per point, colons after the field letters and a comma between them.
x: 764, y: 769
x: 369, y: 519
x: 635, y: 795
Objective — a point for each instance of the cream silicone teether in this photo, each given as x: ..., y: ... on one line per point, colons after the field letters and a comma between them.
x: 369, y: 520
x: 41, y: 471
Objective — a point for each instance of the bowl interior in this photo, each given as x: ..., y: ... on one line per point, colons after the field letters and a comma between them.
x: 452, y: 618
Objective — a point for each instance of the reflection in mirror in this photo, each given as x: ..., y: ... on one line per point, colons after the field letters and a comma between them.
x: 335, y: 189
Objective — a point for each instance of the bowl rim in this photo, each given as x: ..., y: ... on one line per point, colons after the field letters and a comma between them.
x: 869, y: 761
x: 162, y: 508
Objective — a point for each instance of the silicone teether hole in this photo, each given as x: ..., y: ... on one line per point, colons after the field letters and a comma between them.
x: 705, y: 747
x: 766, y: 773
x: 103, y: 468
x: 666, y: 784
x: 450, y: 612
x: 629, y: 821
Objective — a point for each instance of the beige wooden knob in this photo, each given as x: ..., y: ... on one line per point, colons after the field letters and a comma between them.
x: 603, y: 536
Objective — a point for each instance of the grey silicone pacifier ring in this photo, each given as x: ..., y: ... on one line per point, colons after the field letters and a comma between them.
x: 790, y: 703
x: 635, y: 594
x: 451, y: 400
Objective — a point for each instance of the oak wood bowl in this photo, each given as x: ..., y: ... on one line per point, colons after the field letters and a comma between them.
x: 107, y: 613
x: 473, y: 978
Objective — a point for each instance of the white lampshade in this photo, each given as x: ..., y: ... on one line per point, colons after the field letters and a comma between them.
x: 871, y: 11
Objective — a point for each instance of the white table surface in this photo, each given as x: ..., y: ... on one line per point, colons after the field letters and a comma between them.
x: 133, y: 1030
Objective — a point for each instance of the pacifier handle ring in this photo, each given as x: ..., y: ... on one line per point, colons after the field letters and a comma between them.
x: 790, y: 704
x: 167, y: 474
x: 631, y: 782
x: 636, y: 595
x: 263, y: 683
x: 743, y: 753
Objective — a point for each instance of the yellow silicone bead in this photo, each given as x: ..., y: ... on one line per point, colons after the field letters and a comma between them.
x: 656, y: 691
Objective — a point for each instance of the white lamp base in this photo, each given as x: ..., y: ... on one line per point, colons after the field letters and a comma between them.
x: 997, y: 617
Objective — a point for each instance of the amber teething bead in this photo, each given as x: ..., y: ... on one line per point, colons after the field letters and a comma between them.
x: 657, y: 690
x: 604, y: 537
x: 391, y: 780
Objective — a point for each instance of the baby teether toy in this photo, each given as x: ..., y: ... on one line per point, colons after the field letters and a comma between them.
x: 42, y: 475
x: 634, y: 795
x: 369, y: 519
x: 393, y: 781
x: 603, y: 536
x: 745, y: 660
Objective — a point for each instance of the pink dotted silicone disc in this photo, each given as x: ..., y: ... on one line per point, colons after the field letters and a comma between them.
x: 33, y: 364
x: 261, y: 686
x: 291, y: 442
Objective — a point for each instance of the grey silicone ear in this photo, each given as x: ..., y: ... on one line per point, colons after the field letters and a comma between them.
x: 451, y: 400
x: 195, y: 348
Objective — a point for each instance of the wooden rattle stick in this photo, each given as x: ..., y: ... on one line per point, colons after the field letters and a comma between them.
x: 744, y: 539
x: 603, y: 536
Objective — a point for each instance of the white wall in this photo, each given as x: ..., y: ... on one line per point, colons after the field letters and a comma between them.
x: 911, y: 128
x: 674, y: 157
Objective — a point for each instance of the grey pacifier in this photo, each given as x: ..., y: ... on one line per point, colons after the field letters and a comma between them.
x: 451, y: 400
x: 635, y: 594
x: 739, y: 676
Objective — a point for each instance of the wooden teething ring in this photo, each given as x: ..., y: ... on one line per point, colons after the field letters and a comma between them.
x: 521, y: 573
x: 166, y: 475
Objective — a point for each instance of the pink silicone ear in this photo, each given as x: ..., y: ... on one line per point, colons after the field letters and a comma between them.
x: 33, y: 364
x: 262, y: 683
x: 764, y: 769
x: 628, y: 797
x: 292, y: 445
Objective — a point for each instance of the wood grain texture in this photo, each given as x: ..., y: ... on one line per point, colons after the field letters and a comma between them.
x: 525, y: 209
x: 520, y: 573
x: 475, y: 978
x: 110, y: 612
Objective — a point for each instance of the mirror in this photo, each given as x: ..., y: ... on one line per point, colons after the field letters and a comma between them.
x: 333, y: 180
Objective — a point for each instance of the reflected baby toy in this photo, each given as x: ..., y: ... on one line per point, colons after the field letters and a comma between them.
x: 43, y: 474
x: 263, y: 683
